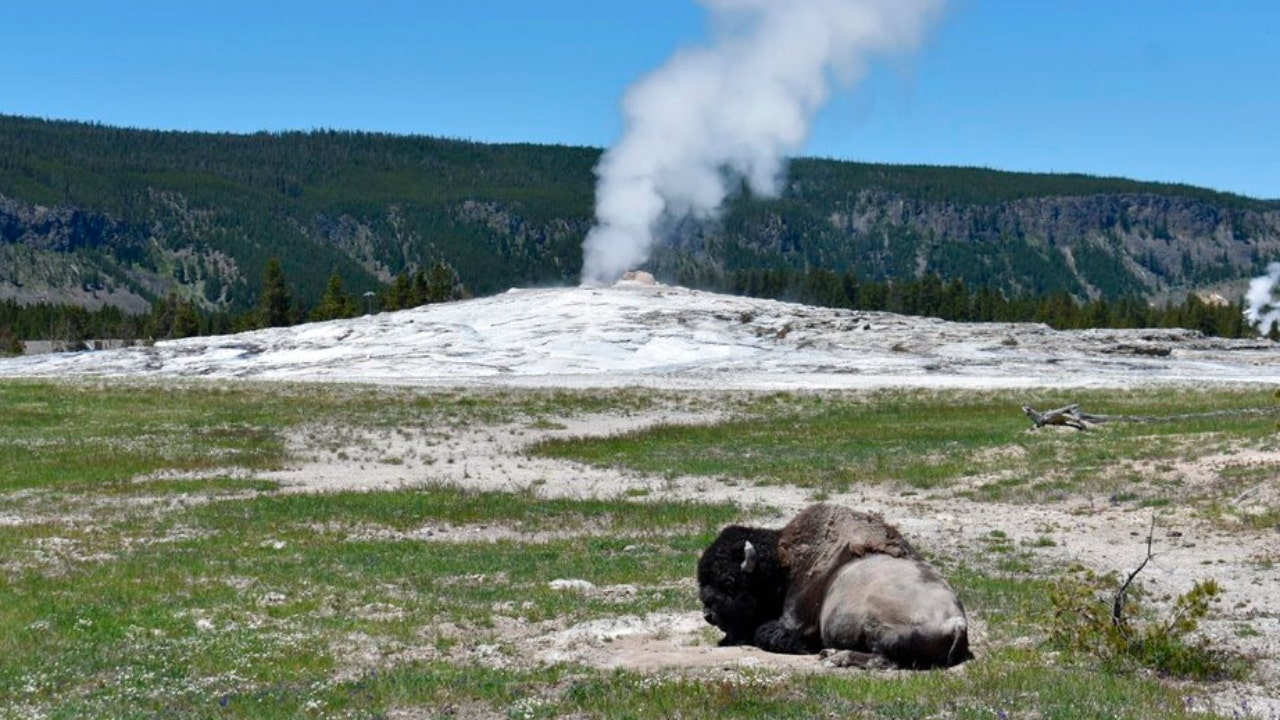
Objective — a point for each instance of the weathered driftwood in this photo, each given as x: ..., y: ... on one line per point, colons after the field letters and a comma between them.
x: 1069, y: 416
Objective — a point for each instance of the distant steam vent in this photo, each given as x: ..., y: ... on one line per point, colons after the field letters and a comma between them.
x: 1262, y: 307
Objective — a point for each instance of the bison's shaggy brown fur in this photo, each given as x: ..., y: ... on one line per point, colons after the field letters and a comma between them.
x: 833, y: 579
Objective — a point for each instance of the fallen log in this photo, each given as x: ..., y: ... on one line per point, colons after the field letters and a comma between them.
x: 1069, y: 415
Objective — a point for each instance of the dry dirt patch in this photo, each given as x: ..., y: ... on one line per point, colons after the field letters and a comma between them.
x: 1097, y: 533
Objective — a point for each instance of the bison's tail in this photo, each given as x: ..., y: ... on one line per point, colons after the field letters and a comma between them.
x: 959, y: 650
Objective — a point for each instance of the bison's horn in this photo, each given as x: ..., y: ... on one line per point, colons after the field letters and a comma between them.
x: 749, y: 557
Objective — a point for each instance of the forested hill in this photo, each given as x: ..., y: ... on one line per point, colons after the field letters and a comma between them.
x: 97, y: 215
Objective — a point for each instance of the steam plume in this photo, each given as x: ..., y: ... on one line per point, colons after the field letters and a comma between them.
x: 1263, y: 309
x: 727, y: 113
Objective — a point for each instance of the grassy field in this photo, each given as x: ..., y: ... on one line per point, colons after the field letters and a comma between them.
x: 925, y: 441
x: 151, y: 570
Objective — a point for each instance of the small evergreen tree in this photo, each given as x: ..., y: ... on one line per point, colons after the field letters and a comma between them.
x: 274, y: 304
x: 400, y: 295
x: 69, y: 334
x: 335, y: 303
x: 420, y: 292
x: 442, y: 283
x: 172, y: 317
x: 186, y: 319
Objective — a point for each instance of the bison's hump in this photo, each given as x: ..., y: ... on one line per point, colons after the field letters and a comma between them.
x: 823, y: 537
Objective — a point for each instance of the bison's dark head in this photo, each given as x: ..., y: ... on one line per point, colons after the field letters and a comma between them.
x: 741, y: 583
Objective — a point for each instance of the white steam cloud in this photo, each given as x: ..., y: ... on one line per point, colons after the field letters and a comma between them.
x: 1262, y: 307
x: 717, y: 116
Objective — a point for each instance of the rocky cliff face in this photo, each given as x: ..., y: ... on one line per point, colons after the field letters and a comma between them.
x: 1147, y: 244
x: 1100, y: 245
x: 89, y: 258
x: 57, y: 255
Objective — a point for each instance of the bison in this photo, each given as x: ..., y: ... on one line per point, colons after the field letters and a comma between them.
x: 837, y: 581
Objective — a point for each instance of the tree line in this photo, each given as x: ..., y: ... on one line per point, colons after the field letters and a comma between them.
x: 173, y: 316
x: 930, y: 295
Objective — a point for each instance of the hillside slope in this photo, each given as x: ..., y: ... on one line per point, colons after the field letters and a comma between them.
x: 96, y: 215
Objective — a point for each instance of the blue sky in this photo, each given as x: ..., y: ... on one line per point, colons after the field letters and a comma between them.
x: 1169, y: 90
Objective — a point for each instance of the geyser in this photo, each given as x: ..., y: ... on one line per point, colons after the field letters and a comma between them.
x: 717, y: 116
x: 1262, y: 308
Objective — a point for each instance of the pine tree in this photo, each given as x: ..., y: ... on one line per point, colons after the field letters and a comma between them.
x: 335, y: 303
x: 420, y: 293
x: 172, y: 317
x: 274, y: 302
x: 442, y: 283
x: 949, y: 302
x: 186, y: 319
x: 69, y: 334
x: 400, y: 295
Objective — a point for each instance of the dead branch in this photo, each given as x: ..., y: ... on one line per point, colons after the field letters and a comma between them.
x: 1117, y: 605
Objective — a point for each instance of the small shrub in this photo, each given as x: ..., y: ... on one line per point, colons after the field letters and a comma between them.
x: 1096, y: 615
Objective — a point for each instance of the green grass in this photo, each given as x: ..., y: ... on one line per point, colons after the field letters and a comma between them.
x: 1012, y: 683
x: 407, y: 509
x: 245, y: 613
x: 78, y: 436
x: 247, y: 598
x: 922, y: 441
x: 142, y: 578
x: 819, y: 445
